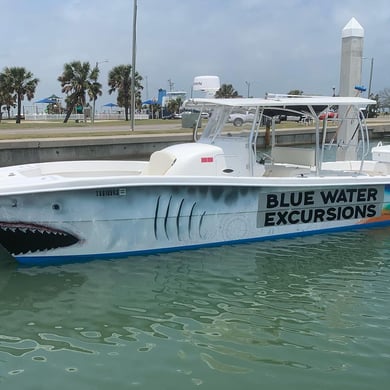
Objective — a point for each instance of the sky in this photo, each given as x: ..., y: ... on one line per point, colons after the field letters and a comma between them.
x: 261, y: 45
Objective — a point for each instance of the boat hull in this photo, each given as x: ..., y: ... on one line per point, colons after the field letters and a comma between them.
x: 74, y: 225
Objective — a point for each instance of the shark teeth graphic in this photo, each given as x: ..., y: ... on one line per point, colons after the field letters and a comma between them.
x: 21, y: 238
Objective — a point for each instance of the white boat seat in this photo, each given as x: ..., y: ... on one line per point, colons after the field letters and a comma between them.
x: 292, y: 155
x: 279, y: 170
x: 159, y: 163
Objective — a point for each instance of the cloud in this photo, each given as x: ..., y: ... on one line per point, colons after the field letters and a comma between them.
x: 276, y: 46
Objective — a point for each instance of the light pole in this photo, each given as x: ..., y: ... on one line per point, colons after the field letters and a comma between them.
x: 133, y: 66
x: 248, y: 84
x: 94, y: 98
x: 370, y: 82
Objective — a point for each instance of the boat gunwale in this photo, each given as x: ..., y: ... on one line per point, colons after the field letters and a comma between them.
x: 91, y: 183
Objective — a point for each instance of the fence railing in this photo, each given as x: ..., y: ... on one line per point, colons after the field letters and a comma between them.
x: 81, y: 117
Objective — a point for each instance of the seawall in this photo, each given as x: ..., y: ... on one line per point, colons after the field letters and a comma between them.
x: 136, y: 146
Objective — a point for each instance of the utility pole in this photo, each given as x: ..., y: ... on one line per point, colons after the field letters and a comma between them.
x: 95, y: 97
x: 370, y: 82
x: 170, y: 84
x: 133, y: 66
x: 146, y: 88
x: 248, y: 84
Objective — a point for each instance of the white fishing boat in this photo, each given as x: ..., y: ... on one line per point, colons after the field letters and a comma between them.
x: 214, y: 191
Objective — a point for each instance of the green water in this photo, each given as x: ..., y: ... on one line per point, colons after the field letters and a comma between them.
x: 307, y: 313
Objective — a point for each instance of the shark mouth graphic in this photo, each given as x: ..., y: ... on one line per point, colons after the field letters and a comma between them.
x: 20, y: 238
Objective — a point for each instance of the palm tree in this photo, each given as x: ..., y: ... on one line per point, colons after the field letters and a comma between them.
x: 295, y: 92
x: 373, y: 109
x: 174, y: 105
x: 95, y: 90
x: 18, y: 82
x: 1, y: 103
x: 6, y: 98
x: 119, y: 79
x: 76, y: 80
x: 226, y: 91
x: 384, y: 98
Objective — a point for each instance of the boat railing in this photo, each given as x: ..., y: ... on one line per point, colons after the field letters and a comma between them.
x: 350, y: 120
x: 361, y: 130
x: 365, y: 138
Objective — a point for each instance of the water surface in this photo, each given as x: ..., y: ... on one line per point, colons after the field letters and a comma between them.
x: 305, y: 313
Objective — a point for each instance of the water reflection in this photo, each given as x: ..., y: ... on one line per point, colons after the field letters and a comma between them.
x: 298, y: 303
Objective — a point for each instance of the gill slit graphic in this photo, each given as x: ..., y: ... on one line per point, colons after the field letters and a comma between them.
x: 156, y: 217
x: 200, y: 223
x: 190, y: 219
x: 166, y: 217
x: 166, y: 221
x: 178, y: 220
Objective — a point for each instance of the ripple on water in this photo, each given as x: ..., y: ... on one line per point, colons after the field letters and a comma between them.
x: 259, y: 312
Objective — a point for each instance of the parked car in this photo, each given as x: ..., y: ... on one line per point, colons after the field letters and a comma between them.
x: 293, y: 118
x: 167, y: 116
x: 239, y: 118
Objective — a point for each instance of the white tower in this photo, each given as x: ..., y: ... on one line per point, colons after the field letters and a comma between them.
x: 350, y: 77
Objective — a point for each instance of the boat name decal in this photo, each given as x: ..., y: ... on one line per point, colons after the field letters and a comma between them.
x: 325, y: 205
x: 111, y: 192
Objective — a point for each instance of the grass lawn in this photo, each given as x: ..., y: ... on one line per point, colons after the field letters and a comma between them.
x: 105, y: 128
x: 12, y: 130
x: 10, y: 124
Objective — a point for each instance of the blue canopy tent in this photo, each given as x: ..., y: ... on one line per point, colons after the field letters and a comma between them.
x: 54, y: 100
x: 54, y: 97
x: 149, y: 102
x: 47, y: 101
x: 111, y: 105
